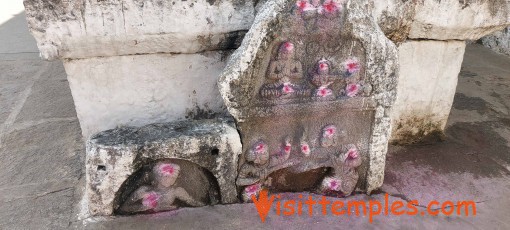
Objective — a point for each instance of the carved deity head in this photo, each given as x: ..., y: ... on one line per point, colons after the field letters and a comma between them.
x: 323, y: 66
x: 350, y: 67
x: 329, y: 132
x: 165, y: 174
x: 351, y: 158
x: 258, y: 154
x: 304, y: 5
x: 331, y: 6
x: 286, y: 51
x: 351, y: 90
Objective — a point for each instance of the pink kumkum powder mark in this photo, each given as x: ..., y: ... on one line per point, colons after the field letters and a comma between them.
x: 167, y: 169
x: 333, y: 184
x: 323, y: 66
x: 353, y: 153
x: 287, y: 88
x: 352, y: 66
x: 252, y: 189
x: 260, y: 147
x: 289, y: 47
x: 330, y: 6
x: 305, y: 149
x: 304, y: 5
x: 150, y: 200
x: 352, y: 90
x: 287, y: 148
x: 324, y: 92
x: 329, y: 131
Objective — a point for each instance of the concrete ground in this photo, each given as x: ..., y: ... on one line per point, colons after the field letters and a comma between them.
x: 41, y: 152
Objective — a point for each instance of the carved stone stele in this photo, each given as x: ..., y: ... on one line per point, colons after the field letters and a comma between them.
x: 312, y: 83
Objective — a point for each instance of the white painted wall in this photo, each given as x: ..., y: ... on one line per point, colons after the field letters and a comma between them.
x: 142, y: 89
x: 427, y: 81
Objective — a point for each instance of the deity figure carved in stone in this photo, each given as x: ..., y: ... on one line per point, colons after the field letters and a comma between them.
x: 283, y: 154
x: 345, y: 176
x: 255, y: 167
x: 284, y: 73
x: 329, y: 136
x: 322, y: 78
x: 161, y: 194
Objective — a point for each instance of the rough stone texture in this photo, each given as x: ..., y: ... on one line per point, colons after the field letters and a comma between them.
x: 498, y: 41
x: 426, y: 87
x: 365, y: 119
x: 82, y: 28
x: 441, y: 20
x: 395, y: 18
x: 459, y: 20
x: 114, y: 155
x: 142, y: 89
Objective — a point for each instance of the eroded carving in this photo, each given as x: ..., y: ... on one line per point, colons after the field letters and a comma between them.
x: 284, y: 72
x: 161, y: 193
x: 255, y: 167
x: 309, y: 133
x: 322, y: 78
x: 344, y: 178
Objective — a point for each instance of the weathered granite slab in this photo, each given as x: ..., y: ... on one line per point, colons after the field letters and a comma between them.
x: 197, y: 163
x: 311, y: 87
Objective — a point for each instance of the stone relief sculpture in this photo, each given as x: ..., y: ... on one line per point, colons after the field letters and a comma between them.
x: 161, y: 195
x: 284, y: 73
x: 344, y: 178
x: 327, y: 139
x: 255, y: 168
x: 283, y: 153
x: 159, y: 190
x: 315, y: 99
x: 322, y: 78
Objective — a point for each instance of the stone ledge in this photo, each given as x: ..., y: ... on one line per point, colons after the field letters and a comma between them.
x: 80, y: 28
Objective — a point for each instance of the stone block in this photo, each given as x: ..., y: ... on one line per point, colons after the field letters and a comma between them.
x: 428, y: 76
x: 441, y: 20
x: 82, y: 28
x: 162, y: 166
x: 137, y: 90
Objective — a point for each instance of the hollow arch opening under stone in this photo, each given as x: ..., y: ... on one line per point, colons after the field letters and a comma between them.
x: 164, y: 185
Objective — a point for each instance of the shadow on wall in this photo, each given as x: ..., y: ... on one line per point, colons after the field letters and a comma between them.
x: 166, y: 185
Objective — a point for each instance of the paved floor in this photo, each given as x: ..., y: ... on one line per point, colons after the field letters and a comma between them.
x: 41, y: 152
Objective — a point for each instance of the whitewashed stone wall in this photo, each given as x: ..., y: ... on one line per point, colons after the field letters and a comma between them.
x: 90, y: 33
x: 426, y: 87
x: 133, y: 62
x: 142, y: 89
